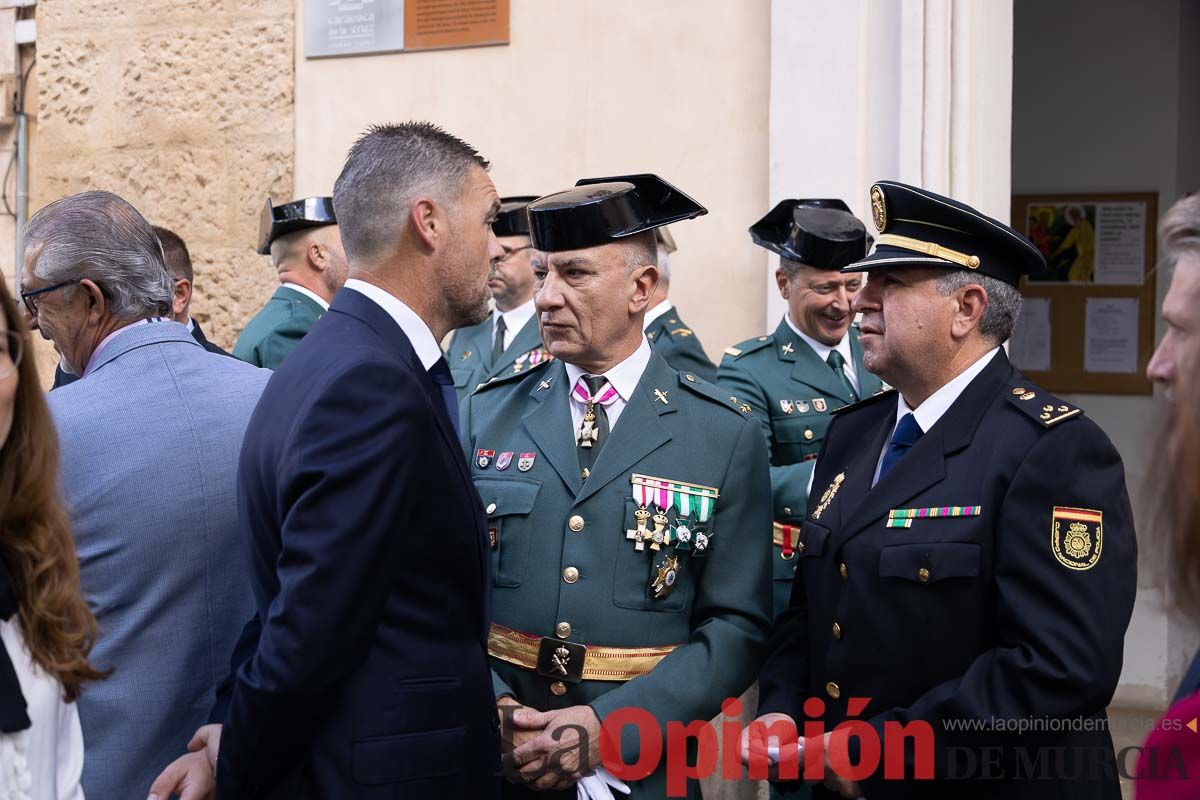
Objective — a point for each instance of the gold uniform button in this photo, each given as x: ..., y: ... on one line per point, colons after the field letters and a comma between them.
x: 575, y: 523
x: 837, y: 631
x: 787, y: 511
x: 690, y: 378
x: 923, y: 575
x: 570, y: 574
x: 562, y: 630
x: 491, y: 509
x: 845, y: 573
x: 833, y: 690
x: 558, y: 688
x: 762, y: 338
x: 808, y: 435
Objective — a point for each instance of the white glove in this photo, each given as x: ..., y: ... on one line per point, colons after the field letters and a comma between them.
x: 597, y: 786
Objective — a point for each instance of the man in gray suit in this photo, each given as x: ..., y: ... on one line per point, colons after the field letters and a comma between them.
x: 150, y: 444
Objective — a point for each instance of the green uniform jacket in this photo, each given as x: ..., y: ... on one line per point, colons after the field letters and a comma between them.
x: 676, y: 343
x: 718, y: 612
x: 786, y: 384
x: 470, y: 354
x: 278, y: 327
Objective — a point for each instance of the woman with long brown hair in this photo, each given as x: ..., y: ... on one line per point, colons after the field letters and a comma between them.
x: 1170, y: 764
x: 46, y: 627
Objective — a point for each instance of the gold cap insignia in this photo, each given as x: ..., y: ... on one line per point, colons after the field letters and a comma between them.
x: 878, y: 208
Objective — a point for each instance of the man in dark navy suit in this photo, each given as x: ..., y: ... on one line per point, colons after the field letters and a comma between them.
x: 967, y: 565
x: 369, y: 557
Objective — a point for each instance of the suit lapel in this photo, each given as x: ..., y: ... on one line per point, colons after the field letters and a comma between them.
x: 925, y: 464
x: 807, y: 367
x: 639, y: 431
x: 549, y: 424
x: 526, y: 339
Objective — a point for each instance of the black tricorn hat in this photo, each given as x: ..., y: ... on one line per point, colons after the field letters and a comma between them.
x: 918, y: 228
x: 512, y: 221
x: 599, y: 211
x: 276, y: 221
x: 821, y: 233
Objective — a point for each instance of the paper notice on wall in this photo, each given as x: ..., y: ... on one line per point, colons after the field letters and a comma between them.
x: 1120, y: 243
x: 1110, y: 335
x: 1029, y: 347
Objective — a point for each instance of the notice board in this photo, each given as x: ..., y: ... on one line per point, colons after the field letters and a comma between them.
x: 1087, y: 322
x: 366, y: 27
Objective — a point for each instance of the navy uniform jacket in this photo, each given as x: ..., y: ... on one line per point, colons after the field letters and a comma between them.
x: 792, y: 394
x: 1016, y: 612
x: 470, y: 354
x: 679, y: 347
x: 369, y: 566
x: 546, y: 521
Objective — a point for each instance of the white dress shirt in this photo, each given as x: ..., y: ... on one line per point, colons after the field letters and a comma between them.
x: 624, y: 378
x: 937, y: 404
x: 418, y: 333
x: 823, y: 351
x: 655, y: 313
x: 514, y: 320
x: 44, y: 761
x: 316, y: 298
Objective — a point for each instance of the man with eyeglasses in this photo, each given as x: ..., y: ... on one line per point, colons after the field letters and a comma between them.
x: 794, y: 379
x: 508, y: 341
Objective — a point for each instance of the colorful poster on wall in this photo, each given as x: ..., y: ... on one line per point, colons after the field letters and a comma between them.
x: 1089, y: 242
x: 365, y: 27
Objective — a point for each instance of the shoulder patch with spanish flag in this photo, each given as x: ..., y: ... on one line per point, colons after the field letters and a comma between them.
x: 1076, y: 536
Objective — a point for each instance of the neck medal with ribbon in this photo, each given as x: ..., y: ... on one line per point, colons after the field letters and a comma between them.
x: 687, y: 536
x: 588, y: 433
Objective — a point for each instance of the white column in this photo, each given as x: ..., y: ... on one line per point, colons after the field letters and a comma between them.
x: 918, y: 91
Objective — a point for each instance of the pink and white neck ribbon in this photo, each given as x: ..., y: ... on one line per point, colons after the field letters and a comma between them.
x: 604, y: 397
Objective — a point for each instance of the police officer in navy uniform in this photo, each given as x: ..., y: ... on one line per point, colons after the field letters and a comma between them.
x: 625, y: 504
x: 508, y: 341
x: 968, y: 559
x: 666, y: 330
x: 795, y: 378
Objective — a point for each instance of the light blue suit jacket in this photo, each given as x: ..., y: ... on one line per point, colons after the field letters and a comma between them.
x: 150, y: 443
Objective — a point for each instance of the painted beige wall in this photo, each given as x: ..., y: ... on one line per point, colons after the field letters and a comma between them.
x: 676, y: 87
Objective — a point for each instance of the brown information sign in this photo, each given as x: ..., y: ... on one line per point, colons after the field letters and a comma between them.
x: 437, y: 24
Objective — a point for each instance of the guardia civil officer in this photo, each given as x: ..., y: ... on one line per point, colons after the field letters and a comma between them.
x: 794, y: 379
x: 669, y: 335
x: 625, y: 500
x: 968, y: 558
x: 305, y: 246
x: 508, y: 341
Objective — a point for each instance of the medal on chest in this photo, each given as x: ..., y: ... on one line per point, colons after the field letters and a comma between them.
x: 658, y: 500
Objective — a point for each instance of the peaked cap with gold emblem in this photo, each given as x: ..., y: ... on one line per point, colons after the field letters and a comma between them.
x: 918, y: 228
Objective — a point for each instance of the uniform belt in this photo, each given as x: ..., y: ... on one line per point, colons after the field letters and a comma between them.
x: 785, y: 538
x: 569, y: 661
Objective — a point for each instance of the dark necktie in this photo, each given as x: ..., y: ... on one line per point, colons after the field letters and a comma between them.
x: 439, y: 373
x: 903, y: 438
x: 498, y: 342
x: 597, y: 397
x: 838, y: 365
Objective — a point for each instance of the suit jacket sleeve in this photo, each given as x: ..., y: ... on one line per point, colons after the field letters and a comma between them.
x: 789, y: 483
x: 468, y: 443
x: 731, y: 613
x: 1059, y: 631
x: 341, y: 542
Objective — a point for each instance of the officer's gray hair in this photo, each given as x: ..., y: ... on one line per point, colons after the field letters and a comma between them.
x: 388, y: 168
x: 1003, y: 306
x: 664, y: 263
x: 1179, y: 230
x: 641, y: 249
x: 101, y: 237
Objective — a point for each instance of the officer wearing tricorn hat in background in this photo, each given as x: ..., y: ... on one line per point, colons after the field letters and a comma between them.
x: 968, y: 553
x: 794, y: 379
x: 508, y: 341
x: 670, y: 336
x: 304, y: 244
x: 625, y: 501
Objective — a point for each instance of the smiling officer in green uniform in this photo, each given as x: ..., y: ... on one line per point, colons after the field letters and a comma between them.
x: 625, y: 502
x: 670, y: 336
x: 794, y: 379
x: 508, y: 341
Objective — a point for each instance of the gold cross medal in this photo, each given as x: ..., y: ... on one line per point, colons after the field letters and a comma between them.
x: 664, y: 581
x: 640, y: 533
x: 588, y: 433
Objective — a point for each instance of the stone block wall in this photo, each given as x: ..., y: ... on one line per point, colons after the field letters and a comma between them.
x: 186, y: 109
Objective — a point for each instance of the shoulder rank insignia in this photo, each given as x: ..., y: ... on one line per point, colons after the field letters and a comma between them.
x: 732, y: 351
x: 1042, y: 406
x: 1076, y: 536
x: 749, y: 346
x: 681, y: 332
